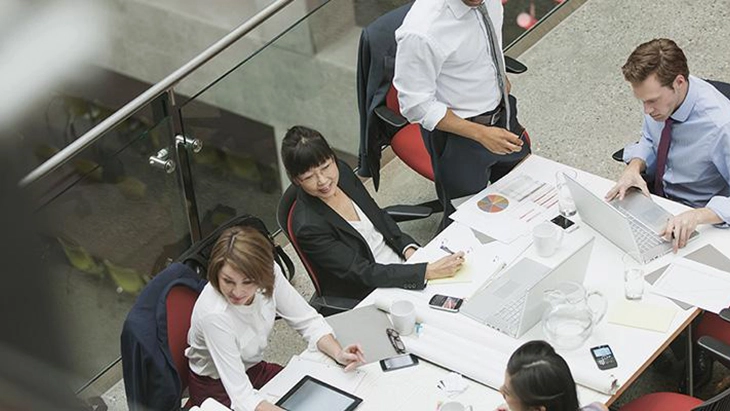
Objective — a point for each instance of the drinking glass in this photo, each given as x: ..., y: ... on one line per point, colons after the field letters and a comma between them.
x: 566, y: 205
x: 633, y: 276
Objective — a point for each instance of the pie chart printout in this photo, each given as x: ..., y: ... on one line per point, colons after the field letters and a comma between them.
x: 493, y: 203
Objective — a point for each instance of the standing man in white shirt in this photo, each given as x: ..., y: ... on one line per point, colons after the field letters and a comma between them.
x: 450, y: 77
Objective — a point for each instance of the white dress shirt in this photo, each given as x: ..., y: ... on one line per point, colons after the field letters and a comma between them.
x: 225, y: 340
x: 443, y: 61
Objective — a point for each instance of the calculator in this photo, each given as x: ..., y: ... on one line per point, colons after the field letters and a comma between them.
x: 604, y: 357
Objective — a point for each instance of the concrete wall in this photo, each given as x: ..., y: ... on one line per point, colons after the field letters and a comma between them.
x: 306, y: 77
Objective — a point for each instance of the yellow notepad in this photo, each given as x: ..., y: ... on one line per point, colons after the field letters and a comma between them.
x: 641, y: 315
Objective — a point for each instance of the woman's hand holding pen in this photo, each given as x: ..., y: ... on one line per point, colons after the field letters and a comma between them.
x: 445, y: 267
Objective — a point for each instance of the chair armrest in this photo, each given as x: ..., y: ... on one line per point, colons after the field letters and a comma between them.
x: 618, y: 156
x: 402, y: 213
x: 390, y: 116
x: 716, y: 347
x: 514, y: 66
x: 332, y: 305
x: 725, y: 314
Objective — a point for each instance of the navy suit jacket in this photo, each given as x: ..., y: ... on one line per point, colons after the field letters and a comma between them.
x: 151, y: 381
x: 375, y: 68
x: 340, y: 256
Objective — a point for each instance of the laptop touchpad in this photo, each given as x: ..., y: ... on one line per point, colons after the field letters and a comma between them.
x: 508, y: 289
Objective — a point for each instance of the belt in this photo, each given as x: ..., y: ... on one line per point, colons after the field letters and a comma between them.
x: 489, y: 118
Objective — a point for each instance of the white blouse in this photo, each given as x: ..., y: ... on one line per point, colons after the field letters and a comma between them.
x: 382, y: 253
x: 225, y: 340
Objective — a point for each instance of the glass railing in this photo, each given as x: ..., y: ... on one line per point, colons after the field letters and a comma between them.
x: 113, y: 220
x: 110, y: 222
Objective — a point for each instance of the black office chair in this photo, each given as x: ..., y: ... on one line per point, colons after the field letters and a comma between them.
x: 381, y: 123
x: 325, y: 305
x: 722, y: 87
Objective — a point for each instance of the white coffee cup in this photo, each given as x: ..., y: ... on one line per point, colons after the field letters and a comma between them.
x: 547, y: 238
x: 403, y: 315
x: 454, y: 406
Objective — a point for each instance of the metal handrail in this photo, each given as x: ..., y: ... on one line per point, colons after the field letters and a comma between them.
x: 152, y: 93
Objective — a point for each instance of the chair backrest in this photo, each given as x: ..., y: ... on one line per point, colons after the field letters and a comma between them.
x: 391, y: 99
x: 284, y: 218
x: 179, y: 302
x: 720, y: 402
x: 722, y: 87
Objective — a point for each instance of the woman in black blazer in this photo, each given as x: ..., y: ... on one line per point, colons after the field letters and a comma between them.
x: 324, y: 219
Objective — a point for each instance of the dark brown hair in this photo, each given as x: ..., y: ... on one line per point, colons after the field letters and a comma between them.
x: 661, y: 57
x: 540, y: 377
x: 247, y: 251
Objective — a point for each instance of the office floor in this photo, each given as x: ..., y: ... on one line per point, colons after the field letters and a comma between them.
x: 578, y: 110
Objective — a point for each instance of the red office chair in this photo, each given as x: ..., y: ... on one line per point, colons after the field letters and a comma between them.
x: 670, y: 401
x: 713, y: 334
x: 407, y: 142
x: 325, y: 305
x: 179, y: 302
x: 376, y: 67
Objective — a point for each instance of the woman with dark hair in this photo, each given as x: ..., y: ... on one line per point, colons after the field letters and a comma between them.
x: 234, y: 316
x: 353, y: 245
x: 539, y: 379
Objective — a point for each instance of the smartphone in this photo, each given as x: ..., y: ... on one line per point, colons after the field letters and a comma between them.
x: 398, y: 362
x: 565, y: 223
x: 605, y: 360
x: 446, y: 303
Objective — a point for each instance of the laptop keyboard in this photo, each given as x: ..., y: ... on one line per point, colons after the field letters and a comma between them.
x: 510, y: 314
x: 645, y: 238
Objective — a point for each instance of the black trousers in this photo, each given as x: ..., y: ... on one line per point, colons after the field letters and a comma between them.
x: 464, y: 167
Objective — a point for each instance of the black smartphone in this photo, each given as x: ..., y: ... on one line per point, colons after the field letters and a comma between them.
x: 398, y: 362
x: 565, y: 223
x: 604, y: 357
x: 446, y: 303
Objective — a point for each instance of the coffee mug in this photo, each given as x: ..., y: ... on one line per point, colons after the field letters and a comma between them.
x: 454, y: 406
x: 403, y: 316
x: 547, y: 238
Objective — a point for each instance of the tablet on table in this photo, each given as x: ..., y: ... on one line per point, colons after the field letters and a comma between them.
x: 311, y: 394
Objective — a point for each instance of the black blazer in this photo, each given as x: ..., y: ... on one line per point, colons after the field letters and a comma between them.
x: 375, y: 67
x: 340, y: 256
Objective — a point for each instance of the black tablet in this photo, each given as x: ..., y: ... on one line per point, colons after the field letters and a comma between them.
x: 311, y: 394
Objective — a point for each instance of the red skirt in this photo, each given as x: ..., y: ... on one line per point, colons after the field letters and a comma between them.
x: 201, y: 388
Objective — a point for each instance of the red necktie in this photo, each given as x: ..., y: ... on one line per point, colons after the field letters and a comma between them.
x: 661, y: 157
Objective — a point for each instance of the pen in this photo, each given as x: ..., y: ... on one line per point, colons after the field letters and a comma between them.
x: 447, y: 249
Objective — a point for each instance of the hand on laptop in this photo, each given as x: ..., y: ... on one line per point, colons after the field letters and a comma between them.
x: 631, y: 177
x: 680, y: 227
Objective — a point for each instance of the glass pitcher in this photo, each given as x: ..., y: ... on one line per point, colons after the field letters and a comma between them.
x: 572, y: 314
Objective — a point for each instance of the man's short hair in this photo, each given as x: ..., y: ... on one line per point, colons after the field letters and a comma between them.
x: 659, y: 56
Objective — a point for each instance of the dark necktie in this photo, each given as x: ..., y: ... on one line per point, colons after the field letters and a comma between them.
x: 496, y: 59
x: 661, y: 157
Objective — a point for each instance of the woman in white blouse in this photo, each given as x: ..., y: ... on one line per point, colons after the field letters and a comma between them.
x: 234, y: 316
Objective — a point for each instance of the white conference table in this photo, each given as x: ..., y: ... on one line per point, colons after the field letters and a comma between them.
x: 415, y: 388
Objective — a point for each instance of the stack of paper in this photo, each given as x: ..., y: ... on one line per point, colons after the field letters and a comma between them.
x: 695, y: 283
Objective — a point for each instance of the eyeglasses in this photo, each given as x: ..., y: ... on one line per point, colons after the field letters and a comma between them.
x: 395, y: 340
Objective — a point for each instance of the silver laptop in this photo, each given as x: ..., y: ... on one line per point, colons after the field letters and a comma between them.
x: 514, y: 302
x: 633, y: 224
